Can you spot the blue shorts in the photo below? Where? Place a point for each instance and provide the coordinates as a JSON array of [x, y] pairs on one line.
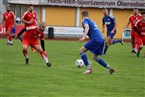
[[13, 30], [111, 35], [95, 46]]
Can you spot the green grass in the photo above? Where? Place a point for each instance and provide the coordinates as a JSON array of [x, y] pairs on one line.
[[63, 79]]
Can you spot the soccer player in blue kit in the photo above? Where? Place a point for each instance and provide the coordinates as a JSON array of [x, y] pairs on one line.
[[111, 25], [95, 45]]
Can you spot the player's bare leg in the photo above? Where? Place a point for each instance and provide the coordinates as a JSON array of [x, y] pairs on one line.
[[139, 49], [25, 52], [43, 54], [9, 37], [103, 63], [85, 60], [107, 43]]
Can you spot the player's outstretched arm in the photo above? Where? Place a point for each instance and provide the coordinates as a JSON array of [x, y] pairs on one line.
[[86, 30], [126, 26], [103, 28], [42, 44], [21, 32]]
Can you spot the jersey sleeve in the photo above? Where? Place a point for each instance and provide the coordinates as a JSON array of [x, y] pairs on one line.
[[42, 36], [113, 19], [36, 16], [13, 15], [84, 22], [23, 16]]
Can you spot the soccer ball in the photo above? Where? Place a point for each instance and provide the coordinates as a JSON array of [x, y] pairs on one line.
[[79, 63]]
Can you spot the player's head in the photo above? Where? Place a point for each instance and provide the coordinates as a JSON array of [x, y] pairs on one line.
[[31, 8], [8, 7], [105, 12], [135, 11], [85, 14], [42, 26], [143, 15]]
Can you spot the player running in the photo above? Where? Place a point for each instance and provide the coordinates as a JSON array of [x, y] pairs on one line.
[[133, 19], [9, 22], [30, 18], [95, 45], [110, 23], [30, 38], [140, 36]]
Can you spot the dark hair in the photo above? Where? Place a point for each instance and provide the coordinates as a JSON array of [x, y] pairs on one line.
[[85, 13], [105, 8], [135, 8], [30, 5]]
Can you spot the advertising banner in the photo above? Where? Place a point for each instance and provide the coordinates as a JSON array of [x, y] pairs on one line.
[[121, 4]]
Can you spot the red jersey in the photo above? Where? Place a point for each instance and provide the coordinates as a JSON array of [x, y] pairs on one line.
[[133, 19], [9, 18], [28, 16], [32, 35], [140, 26]]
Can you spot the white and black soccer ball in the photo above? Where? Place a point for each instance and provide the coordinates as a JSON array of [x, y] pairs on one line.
[[79, 63]]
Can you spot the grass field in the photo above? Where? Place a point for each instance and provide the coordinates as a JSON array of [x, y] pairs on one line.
[[64, 79]]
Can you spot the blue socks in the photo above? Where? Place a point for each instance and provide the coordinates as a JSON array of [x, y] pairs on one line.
[[84, 58], [102, 62], [116, 41], [105, 50]]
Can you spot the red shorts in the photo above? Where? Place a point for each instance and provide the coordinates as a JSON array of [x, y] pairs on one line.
[[9, 27], [30, 43], [140, 40]]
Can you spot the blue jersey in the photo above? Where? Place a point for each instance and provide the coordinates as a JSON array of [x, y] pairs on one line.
[[94, 31], [110, 22]]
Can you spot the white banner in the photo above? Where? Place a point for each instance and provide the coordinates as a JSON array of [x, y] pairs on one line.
[[66, 31]]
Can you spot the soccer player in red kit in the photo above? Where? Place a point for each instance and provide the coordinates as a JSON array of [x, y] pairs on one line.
[[33, 33], [9, 22], [133, 19], [30, 18], [140, 29]]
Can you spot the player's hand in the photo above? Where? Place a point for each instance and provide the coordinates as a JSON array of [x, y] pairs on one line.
[[82, 39], [103, 31], [143, 33], [124, 29], [16, 37], [112, 32], [30, 22]]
